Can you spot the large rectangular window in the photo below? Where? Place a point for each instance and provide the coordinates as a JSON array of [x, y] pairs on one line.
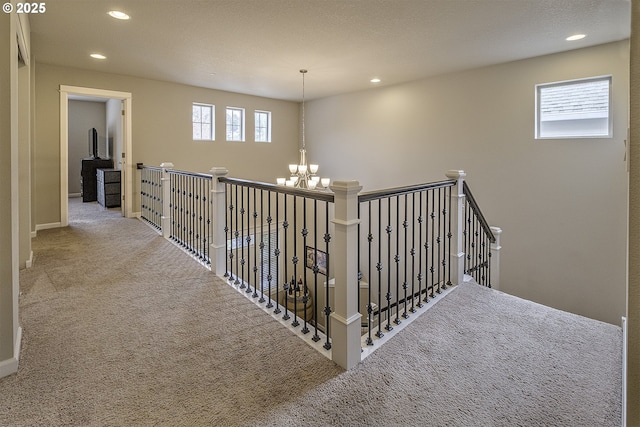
[[574, 109], [235, 124], [263, 126], [202, 117]]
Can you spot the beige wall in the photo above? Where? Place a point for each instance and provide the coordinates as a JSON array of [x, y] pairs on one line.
[[561, 203], [633, 302], [9, 196], [161, 131]]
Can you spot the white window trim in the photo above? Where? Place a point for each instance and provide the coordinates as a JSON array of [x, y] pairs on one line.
[[213, 121], [255, 114], [242, 127], [538, 87]]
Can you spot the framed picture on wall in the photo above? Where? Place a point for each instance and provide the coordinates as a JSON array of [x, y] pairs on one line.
[[321, 261]]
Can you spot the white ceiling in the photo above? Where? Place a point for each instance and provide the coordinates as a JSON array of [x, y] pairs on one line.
[[258, 46]]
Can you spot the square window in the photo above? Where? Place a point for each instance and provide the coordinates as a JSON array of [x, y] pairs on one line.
[[574, 109], [263, 126], [203, 124], [235, 124]]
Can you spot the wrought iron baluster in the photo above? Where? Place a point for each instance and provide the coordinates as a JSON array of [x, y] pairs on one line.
[[449, 236], [389, 231], [198, 219], [192, 230], [439, 239], [175, 219], [208, 222], [262, 245], [190, 213], [327, 239], [276, 253], [183, 217], [236, 235], [316, 269], [255, 248], [359, 264], [247, 275], [241, 242], [227, 224], [489, 263], [369, 340], [433, 247], [285, 226], [396, 258], [405, 285], [294, 260], [484, 258], [379, 333], [474, 251], [413, 254], [305, 296], [269, 219]]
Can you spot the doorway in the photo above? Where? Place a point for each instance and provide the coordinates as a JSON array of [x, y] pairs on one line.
[[121, 149]]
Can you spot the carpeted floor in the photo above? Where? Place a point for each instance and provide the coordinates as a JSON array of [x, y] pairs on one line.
[[123, 328]]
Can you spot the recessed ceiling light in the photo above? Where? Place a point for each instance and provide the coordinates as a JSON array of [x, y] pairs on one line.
[[118, 15], [376, 80], [575, 37], [97, 56]]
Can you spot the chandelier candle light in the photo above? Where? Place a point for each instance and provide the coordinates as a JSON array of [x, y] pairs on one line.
[[303, 175]]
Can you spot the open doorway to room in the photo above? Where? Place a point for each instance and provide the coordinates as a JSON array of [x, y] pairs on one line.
[[105, 143]]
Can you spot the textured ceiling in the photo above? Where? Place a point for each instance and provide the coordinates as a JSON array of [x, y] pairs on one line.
[[259, 46]]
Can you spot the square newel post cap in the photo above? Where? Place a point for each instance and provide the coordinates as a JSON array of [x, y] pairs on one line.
[[497, 231], [219, 171], [166, 165], [348, 187], [455, 174]]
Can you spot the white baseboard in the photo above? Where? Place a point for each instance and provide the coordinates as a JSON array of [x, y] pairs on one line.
[[625, 339], [72, 195], [34, 234], [10, 366], [48, 226], [29, 262]]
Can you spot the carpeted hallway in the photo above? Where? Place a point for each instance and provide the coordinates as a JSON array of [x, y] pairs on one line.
[[120, 327]]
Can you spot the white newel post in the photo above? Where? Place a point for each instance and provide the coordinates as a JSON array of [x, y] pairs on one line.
[[345, 319], [495, 258], [166, 199], [457, 219], [218, 237]]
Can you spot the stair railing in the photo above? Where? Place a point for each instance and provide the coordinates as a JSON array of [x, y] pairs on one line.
[[478, 238], [340, 263]]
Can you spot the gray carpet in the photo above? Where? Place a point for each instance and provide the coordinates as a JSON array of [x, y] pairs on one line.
[[122, 328]]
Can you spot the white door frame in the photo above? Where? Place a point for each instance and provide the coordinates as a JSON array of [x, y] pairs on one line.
[[65, 91]]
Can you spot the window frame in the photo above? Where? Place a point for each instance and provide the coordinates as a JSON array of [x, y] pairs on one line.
[[241, 125], [212, 124], [538, 102], [267, 128]]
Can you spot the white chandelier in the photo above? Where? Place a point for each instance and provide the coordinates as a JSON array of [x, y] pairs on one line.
[[303, 175]]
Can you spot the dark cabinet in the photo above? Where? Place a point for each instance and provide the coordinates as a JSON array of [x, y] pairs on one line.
[[108, 187], [88, 177]]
